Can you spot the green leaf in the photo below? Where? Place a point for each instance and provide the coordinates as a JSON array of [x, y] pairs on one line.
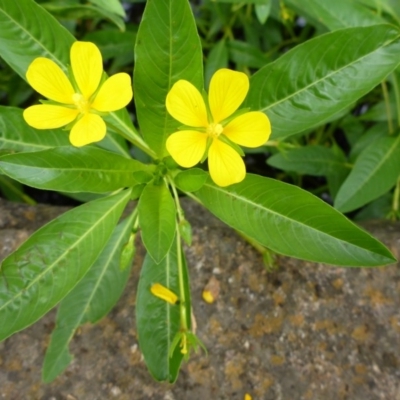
[[89, 301], [244, 54], [157, 220], [263, 10], [158, 321], [53, 260], [375, 172], [370, 136], [217, 58], [34, 29], [74, 170], [336, 14], [83, 11], [112, 6], [308, 160], [341, 67], [13, 190], [380, 208], [191, 179], [291, 221], [167, 49], [113, 43]]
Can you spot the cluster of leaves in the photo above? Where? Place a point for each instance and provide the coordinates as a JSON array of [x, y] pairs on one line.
[[314, 72]]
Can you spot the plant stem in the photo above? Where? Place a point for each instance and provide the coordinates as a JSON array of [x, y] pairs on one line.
[[387, 106]]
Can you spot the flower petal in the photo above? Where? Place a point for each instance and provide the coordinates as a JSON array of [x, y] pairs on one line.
[[187, 147], [227, 91], [47, 116], [163, 293], [87, 67], [47, 78], [185, 103], [89, 129], [115, 93], [225, 164], [251, 129]]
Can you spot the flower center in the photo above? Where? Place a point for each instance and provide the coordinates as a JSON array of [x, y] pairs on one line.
[[214, 130], [81, 103]]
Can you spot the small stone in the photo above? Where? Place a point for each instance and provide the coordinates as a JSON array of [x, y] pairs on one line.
[[115, 391]]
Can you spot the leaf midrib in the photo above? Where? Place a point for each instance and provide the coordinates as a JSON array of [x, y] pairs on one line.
[[85, 308], [377, 166], [305, 88], [66, 252], [293, 221], [28, 33]]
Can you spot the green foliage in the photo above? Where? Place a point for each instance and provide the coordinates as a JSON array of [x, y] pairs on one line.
[[90, 300], [270, 212], [69, 169], [158, 321], [53, 260], [327, 76], [167, 49]]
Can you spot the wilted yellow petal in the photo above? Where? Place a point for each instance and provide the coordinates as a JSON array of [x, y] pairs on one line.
[[89, 129], [46, 116], [187, 147], [163, 293], [87, 67], [185, 104], [47, 78], [251, 129], [227, 91], [225, 164], [114, 94], [208, 297]]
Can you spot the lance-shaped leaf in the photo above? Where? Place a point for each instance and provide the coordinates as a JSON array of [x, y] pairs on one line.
[[157, 219], [16, 135], [375, 172], [75, 170], [291, 221], [28, 31], [157, 320], [308, 160], [53, 260], [90, 300], [315, 80], [167, 49], [337, 14]]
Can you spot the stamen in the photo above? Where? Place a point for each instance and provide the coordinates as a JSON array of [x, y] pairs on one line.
[[214, 130], [80, 102]]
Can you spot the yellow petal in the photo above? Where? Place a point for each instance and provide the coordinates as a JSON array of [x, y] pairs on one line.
[[114, 94], [228, 89], [185, 103], [163, 293], [187, 147], [225, 164], [208, 297], [46, 116], [251, 129], [87, 67], [47, 78], [89, 129]]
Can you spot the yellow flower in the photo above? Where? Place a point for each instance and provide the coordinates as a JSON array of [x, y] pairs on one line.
[[210, 128], [82, 99], [163, 293]]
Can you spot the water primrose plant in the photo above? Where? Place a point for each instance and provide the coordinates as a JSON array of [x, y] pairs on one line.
[[83, 142]]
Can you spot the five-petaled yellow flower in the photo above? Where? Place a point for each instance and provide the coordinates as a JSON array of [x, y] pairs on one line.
[[81, 100], [211, 127]]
